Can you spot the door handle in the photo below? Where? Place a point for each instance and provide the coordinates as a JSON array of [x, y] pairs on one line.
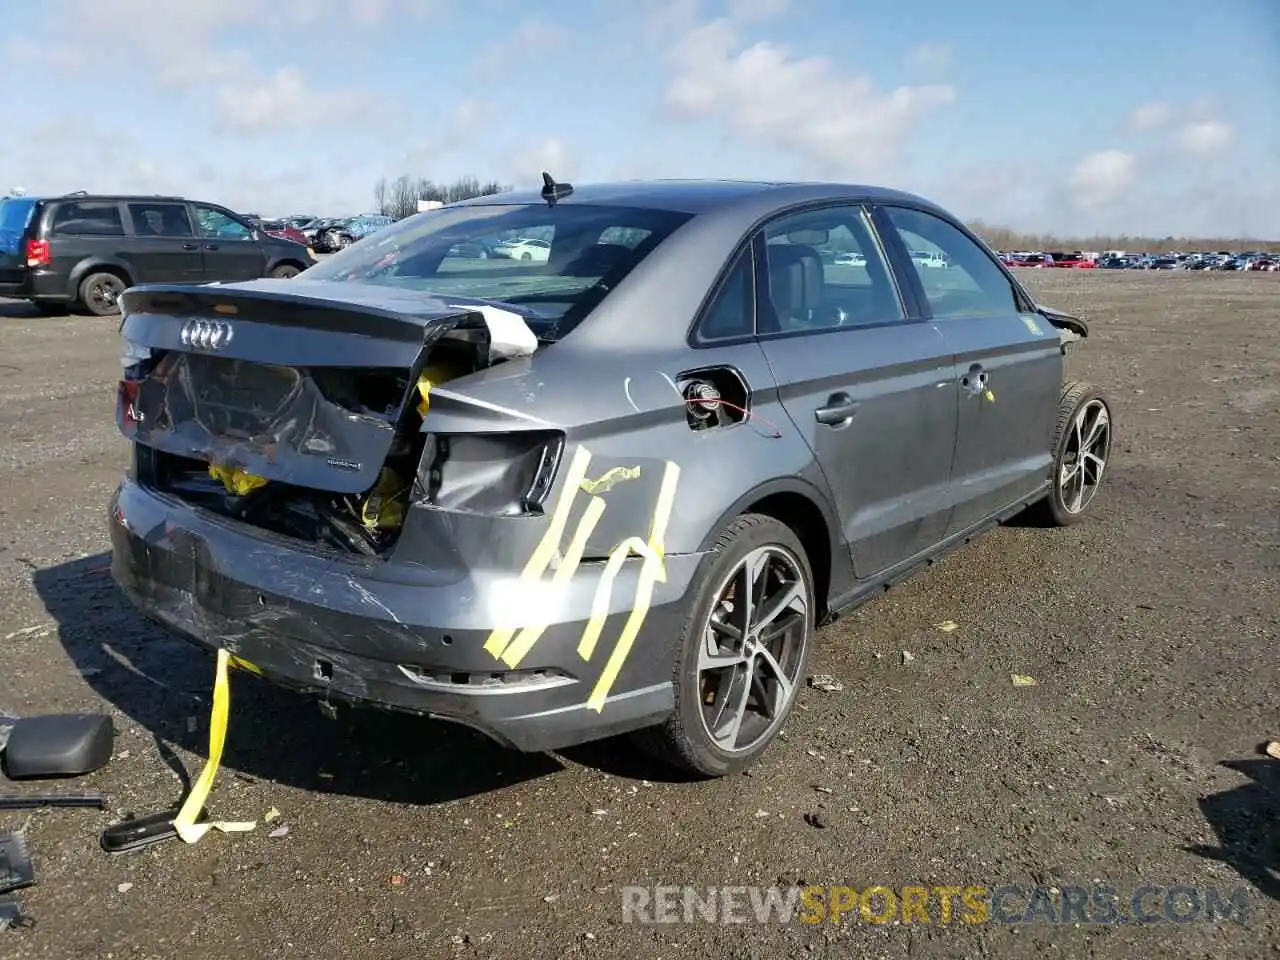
[[839, 410], [211, 246], [191, 246]]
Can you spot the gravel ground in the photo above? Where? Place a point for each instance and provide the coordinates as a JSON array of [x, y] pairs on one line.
[[1151, 630]]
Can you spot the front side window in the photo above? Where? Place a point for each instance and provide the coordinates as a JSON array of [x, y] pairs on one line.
[[958, 277], [825, 270], [217, 225], [88, 219], [553, 263], [160, 220]]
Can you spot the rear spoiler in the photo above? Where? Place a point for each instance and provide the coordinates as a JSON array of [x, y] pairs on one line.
[[350, 323]]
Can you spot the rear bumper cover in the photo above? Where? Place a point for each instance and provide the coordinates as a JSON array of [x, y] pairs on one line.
[[395, 636], [37, 285]]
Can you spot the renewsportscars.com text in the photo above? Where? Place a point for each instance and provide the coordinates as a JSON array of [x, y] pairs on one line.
[[969, 905]]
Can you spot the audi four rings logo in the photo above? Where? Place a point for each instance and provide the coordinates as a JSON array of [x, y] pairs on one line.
[[206, 334]]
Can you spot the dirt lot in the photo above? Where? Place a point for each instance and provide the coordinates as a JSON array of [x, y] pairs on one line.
[[1152, 632]]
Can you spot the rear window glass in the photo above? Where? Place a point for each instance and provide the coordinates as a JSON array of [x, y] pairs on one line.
[[88, 219], [14, 213], [554, 264]]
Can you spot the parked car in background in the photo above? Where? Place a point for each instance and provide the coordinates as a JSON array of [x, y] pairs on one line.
[[343, 233], [83, 250], [656, 466], [285, 231], [524, 249]]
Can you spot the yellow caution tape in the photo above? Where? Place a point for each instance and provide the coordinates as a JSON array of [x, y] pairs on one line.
[[610, 479], [651, 573], [532, 632], [540, 559], [237, 480], [185, 822]]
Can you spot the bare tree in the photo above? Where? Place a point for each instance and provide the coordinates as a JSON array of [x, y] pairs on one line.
[[403, 201], [400, 198]]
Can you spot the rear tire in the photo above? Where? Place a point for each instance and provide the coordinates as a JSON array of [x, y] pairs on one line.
[[100, 293], [717, 677], [286, 271], [1082, 443]]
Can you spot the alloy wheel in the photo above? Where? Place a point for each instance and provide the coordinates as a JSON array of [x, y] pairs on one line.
[[752, 649], [105, 293], [1085, 457]]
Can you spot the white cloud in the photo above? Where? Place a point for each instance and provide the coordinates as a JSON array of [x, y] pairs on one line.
[[524, 164], [1205, 138], [930, 56], [1150, 116], [532, 38], [836, 123], [1102, 178], [284, 100]]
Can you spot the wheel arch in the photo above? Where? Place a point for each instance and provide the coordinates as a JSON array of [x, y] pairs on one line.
[[97, 265], [806, 511]]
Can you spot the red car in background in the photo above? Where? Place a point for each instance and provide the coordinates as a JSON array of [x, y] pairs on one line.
[[285, 231], [1076, 261]]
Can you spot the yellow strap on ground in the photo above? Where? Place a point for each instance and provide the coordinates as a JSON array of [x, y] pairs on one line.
[[541, 556], [185, 822], [526, 638], [650, 573]]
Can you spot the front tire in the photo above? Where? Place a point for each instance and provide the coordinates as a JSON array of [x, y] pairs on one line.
[[739, 662], [1081, 453]]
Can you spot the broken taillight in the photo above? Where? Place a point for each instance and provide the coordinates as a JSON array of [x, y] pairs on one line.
[[498, 474], [128, 397], [38, 253]]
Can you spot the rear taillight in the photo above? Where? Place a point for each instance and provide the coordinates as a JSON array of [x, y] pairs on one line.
[[497, 474], [38, 253]]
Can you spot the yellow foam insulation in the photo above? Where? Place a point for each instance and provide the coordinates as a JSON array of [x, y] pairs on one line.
[[384, 508], [236, 479]]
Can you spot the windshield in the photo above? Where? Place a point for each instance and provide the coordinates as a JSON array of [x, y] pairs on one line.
[[555, 262], [14, 213]]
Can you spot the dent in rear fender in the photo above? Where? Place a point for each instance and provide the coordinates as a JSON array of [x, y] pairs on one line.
[[615, 508], [561, 550]]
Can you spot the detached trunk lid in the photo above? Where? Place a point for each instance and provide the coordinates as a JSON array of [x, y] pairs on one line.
[[292, 381]]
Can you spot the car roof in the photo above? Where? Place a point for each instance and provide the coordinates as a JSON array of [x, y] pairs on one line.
[[698, 196]]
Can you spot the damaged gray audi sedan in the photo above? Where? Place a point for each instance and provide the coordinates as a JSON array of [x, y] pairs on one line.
[[612, 488]]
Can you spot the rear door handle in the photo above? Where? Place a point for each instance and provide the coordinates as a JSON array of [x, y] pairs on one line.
[[191, 246], [839, 410], [211, 246]]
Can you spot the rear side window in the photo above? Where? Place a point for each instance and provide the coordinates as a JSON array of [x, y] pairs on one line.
[[958, 277], [87, 219], [732, 314], [160, 220]]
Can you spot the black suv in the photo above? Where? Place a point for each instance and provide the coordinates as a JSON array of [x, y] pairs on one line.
[[84, 250]]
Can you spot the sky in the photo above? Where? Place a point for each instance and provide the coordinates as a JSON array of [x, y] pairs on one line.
[[1153, 117]]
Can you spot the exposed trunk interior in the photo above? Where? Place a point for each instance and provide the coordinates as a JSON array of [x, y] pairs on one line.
[[322, 453]]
